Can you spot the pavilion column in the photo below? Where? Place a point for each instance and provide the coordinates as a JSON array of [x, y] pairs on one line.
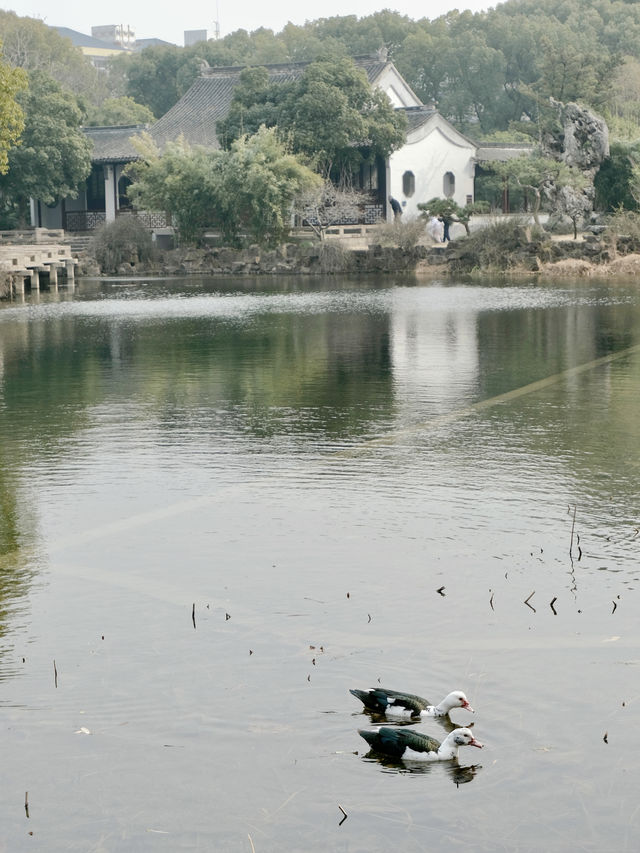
[[110, 192]]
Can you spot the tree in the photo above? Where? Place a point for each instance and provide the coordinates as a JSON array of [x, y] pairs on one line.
[[151, 77], [12, 82], [450, 211], [256, 102], [119, 111], [55, 155], [540, 175], [180, 181], [615, 184], [330, 115], [259, 182], [250, 187], [324, 205], [30, 44]]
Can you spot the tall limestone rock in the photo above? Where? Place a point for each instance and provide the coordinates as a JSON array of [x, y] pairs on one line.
[[583, 143]]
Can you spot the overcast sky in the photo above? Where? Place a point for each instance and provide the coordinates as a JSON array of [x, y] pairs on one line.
[[168, 21]]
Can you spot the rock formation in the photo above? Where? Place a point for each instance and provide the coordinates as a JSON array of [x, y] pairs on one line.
[[582, 143]]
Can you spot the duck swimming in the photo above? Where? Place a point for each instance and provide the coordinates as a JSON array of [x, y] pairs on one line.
[[406, 743], [393, 703]]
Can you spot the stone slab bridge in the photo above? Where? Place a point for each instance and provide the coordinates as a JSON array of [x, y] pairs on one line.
[[29, 260]]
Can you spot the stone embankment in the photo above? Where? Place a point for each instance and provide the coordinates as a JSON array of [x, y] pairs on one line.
[[289, 259], [590, 255]]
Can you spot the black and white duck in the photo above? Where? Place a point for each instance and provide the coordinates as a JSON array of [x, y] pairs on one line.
[[406, 743], [397, 704]]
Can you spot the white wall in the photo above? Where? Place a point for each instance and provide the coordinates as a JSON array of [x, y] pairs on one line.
[[396, 89], [430, 151]]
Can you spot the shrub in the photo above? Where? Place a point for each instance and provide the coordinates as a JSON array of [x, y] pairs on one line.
[[334, 258], [124, 241], [403, 235], [623, 231], [502, 245]]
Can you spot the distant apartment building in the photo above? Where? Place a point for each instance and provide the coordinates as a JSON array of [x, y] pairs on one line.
[[120, 35], [98, 52], [194, 36]]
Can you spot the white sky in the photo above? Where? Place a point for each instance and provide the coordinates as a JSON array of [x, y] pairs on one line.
[[168, 20]]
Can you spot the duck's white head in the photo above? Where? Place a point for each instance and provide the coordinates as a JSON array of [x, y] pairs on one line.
[[457, 699], [464, 737]]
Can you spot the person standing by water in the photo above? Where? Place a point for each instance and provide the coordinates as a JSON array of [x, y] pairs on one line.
[[395, 207], [446, 223], [435, 229]]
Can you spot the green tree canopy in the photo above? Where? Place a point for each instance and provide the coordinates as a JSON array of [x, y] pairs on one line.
[[30, 44], [249, 188], [119, 111], [12, 82], [539, 175], [55, 155], [330, 115], [151, 77]]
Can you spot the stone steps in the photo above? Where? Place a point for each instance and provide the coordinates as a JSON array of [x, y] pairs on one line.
[[79, 243]]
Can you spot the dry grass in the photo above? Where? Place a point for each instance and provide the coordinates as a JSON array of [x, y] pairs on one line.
[[573, 267]]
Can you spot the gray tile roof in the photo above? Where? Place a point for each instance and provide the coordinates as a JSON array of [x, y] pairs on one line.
[[417, 116], [501, 151], [209, 99], [113, 144]]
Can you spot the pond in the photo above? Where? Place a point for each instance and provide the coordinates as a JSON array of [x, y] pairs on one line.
[[224, 503]]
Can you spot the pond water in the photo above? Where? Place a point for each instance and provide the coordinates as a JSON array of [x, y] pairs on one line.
[[226, 502]]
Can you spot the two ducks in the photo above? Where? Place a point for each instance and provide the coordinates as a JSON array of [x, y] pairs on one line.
[[408, 744]]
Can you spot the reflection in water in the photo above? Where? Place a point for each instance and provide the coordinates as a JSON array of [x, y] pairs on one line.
[[458, 774], [383, 473]]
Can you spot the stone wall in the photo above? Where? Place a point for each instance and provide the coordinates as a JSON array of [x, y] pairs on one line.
[[290, 259]]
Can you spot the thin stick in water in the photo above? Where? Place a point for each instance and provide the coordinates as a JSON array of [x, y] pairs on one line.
[[344, 813], [573, 527], [193, 614], [55, 673], [26, 803]]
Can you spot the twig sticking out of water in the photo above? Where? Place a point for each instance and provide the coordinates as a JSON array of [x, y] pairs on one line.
[[614, 607], [440, 591], [253, 849], [491, 599], [526, 601], [344, 813], [26, 803], [606, 737], [369, 619], [552, 602], [55, 673], [193, 615], [573, 527]]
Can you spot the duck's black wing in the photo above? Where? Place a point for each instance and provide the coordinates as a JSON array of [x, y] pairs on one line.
[[394, 741], [379, 700]]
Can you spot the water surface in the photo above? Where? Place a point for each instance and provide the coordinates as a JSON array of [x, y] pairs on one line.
[[226, 502]]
